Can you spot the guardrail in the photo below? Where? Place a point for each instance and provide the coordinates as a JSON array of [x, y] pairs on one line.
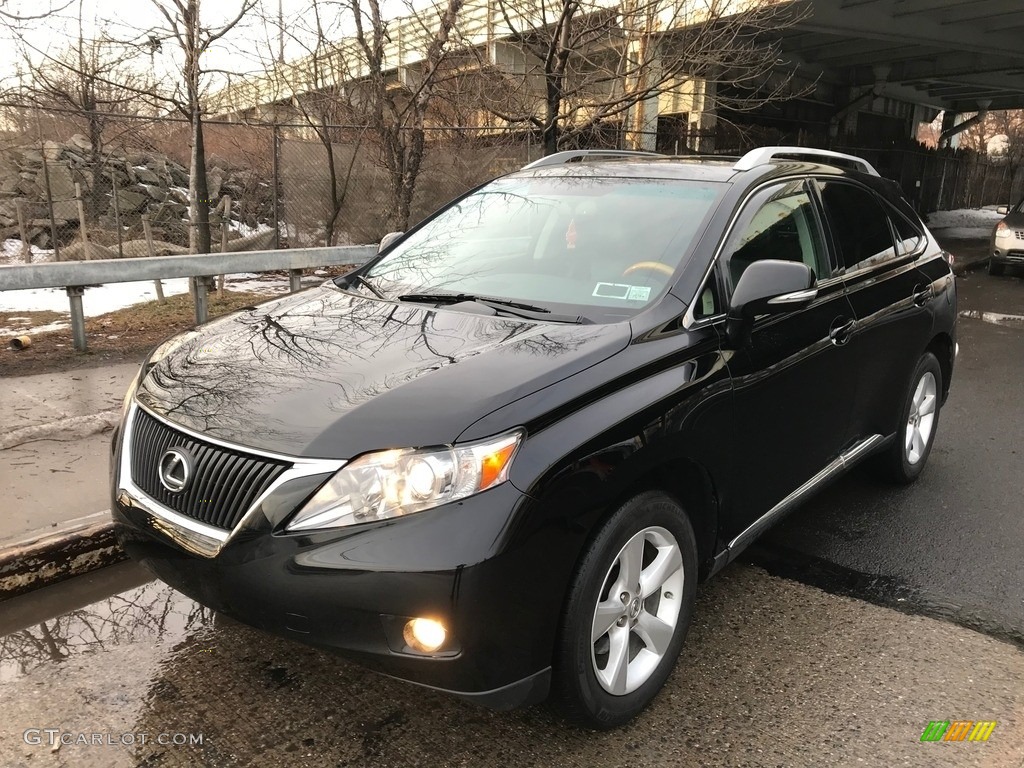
[[76, 276]]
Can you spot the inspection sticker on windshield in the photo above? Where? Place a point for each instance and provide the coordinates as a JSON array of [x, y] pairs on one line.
[[622, 291]]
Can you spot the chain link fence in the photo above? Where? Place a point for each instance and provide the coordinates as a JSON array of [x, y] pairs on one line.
[[105, 186]]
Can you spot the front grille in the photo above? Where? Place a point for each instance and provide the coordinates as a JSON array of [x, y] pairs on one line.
[[223, 485], [1019, 233]]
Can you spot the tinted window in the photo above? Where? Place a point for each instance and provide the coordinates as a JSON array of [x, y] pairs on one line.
[[908, 235], [859, 224], [778, 223], [571, 240]]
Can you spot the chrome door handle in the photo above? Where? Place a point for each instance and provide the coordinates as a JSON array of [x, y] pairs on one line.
[[841, 334], [923, 297]]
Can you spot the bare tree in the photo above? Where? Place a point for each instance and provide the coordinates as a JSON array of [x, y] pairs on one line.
[[314, 88], [589, 64], [92, 83], [1000, 136], [9, 17], [185, 29], [397, 116]]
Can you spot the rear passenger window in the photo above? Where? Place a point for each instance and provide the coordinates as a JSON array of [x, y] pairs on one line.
[[859, 224]]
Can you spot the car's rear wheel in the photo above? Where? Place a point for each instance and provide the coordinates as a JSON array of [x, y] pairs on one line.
[[627, 613], [906, 457], [995, 269]]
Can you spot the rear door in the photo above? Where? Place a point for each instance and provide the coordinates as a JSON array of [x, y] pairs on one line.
[[877, 254]]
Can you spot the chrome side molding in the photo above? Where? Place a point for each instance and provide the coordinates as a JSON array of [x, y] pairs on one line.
[[796, 297], [837, 467]]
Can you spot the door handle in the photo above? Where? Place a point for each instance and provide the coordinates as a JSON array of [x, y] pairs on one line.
[[923, 297], [840, 334]]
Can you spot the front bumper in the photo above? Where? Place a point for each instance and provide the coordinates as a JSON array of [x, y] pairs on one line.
[[1008, 254], [351, 590]]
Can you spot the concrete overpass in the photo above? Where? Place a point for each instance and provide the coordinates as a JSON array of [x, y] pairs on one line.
[[954, 55], [879, 67]]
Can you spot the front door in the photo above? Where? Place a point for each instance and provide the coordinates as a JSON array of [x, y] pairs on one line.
[[794, 382]]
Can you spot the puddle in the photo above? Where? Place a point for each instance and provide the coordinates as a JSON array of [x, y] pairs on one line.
[[997, 318], [151, 616]]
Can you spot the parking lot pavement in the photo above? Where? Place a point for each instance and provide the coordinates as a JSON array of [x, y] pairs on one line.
[[950, 544], [774, 673]]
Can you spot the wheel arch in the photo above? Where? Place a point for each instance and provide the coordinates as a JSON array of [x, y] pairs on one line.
[[688, 483], [942, 346]]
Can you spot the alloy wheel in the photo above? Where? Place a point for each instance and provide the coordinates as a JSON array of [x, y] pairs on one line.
[[921, 421], [637, 611]]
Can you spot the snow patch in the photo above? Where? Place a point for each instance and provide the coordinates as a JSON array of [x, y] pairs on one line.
[[10, 253], [964, 223]]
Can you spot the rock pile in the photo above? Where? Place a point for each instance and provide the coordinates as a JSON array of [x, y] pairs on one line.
[[127, 185]]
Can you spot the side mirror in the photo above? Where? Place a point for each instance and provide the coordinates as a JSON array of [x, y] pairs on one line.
[[388, 239], [1002, 210], [767, 287]]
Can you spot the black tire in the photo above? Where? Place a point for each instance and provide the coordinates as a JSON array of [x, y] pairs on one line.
[[896, 463], [583, 699], [994, 269]]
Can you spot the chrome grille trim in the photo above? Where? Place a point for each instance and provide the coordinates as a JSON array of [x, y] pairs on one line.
[[226, 481], [193, 535]]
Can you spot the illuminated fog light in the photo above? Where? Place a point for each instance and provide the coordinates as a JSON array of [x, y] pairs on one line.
[[424, 635]]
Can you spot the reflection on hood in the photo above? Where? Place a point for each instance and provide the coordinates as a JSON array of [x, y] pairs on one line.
[[279, 376]]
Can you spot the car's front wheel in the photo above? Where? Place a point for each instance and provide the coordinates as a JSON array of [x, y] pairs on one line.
[[994, 269], [915, 434], [628, 611]]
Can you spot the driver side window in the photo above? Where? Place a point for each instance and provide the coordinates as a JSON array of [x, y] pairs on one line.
[[777, 223]]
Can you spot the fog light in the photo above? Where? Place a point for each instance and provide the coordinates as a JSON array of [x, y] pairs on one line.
[[424, 635]]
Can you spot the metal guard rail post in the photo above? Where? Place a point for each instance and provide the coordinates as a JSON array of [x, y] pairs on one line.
[[76, 276]]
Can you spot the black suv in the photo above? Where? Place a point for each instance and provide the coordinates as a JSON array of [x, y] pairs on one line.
[[497, 459]]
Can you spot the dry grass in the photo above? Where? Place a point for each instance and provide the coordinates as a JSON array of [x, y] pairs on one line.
[[30, 319]]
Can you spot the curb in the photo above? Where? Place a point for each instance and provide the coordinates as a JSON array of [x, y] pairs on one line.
[[46, 559]]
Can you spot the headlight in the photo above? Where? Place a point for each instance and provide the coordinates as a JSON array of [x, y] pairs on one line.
[[1003, 231], [385, 484]]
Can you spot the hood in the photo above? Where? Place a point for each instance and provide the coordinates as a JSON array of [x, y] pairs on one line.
[[329, 374]]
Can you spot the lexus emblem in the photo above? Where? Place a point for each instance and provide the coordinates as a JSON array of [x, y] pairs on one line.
[[175, 469]]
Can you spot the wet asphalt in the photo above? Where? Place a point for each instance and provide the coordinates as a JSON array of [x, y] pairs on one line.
[[776, 671], [952, 544]]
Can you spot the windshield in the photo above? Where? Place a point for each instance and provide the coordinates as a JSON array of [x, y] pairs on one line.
[[562, 243]]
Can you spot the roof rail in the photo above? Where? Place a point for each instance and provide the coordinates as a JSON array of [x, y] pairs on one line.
[[762, 155], [559, 158]]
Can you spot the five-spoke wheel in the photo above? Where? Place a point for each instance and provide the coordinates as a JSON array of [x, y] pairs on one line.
[[636, 615], [906, 457], [628, 611]]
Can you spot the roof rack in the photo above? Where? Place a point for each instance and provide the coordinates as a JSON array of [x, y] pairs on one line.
[[559, 158], [762, 155]]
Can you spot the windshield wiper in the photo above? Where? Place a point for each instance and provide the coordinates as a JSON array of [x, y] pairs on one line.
[[514, 308], [455, 298]]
